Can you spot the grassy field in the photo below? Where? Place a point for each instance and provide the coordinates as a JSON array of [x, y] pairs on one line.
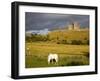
[[69, 55], [69, 35]]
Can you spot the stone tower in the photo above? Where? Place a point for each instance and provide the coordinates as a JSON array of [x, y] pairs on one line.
[[74, 26], [71, 26]]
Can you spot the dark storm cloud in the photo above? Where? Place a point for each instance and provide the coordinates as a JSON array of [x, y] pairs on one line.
[[38, 21]]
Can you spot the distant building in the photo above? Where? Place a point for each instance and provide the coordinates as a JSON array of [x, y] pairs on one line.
[[70, 27], [74, 26]]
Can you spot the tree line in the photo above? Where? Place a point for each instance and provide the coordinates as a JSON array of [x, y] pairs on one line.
[[57, 40]]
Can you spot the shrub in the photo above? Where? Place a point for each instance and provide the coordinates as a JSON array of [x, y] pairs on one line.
[[75, 63], [86, 54], [76, 42]]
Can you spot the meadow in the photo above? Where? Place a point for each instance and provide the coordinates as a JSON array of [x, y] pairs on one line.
[[69, 55]]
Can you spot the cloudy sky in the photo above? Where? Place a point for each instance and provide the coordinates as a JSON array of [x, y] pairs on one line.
[[50, 21]]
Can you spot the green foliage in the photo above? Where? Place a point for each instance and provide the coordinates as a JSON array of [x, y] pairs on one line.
[[70, 37], [72, 48], [69, 55], [75, 63], [66, 60], [86, 54], [62, 37], [28, 38], [76, 42], [37, 37]]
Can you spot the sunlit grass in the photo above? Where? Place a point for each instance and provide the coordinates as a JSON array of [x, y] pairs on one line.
[[69, 55]]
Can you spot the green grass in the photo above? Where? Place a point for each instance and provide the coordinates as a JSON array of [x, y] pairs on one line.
[[69, 55], [69, 35]]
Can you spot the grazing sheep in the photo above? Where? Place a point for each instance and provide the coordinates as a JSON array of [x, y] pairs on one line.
[[52, 58]]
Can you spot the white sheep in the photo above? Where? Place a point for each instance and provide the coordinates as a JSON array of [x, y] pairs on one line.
[[52, 58]]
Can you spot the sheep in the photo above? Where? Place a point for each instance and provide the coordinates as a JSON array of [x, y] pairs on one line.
[[52, 58]]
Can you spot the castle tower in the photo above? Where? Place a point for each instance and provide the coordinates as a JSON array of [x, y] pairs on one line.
[[76, 26], [71, 26]]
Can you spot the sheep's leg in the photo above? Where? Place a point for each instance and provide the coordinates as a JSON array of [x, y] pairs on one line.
[[56, 62], [48, 61]]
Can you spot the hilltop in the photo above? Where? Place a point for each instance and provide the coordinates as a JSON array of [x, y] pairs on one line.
[[68, 36]]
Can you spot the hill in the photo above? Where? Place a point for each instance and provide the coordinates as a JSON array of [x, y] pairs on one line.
[[68, 36]]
